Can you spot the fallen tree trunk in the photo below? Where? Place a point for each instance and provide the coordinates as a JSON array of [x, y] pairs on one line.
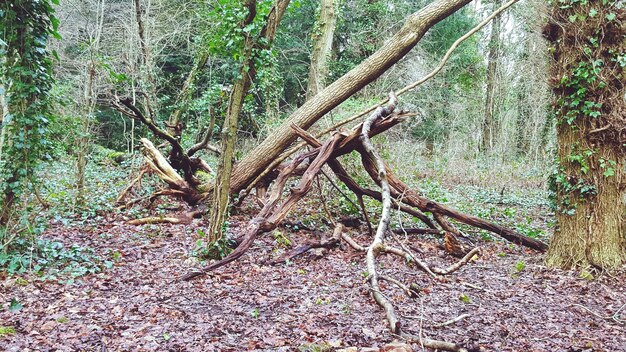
[[397, 47], [339, 144], [412, 198]]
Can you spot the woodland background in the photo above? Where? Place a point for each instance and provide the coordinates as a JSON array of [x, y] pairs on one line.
[[95, 238]]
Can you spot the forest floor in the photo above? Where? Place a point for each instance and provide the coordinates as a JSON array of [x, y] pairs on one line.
[[317, 302]]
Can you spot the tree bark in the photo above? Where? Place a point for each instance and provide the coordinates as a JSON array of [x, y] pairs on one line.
[[146, 57], [593, 234], [492, 71], [322, 45], [229, 133], [88, 105], [591, 134], [4, 110], [82, 142], [398, 46]]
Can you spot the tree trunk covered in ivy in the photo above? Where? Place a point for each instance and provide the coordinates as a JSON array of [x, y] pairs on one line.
[[26, 77], [229, 130], [588, 78], [322, 46], [252, 46], [3, 113]]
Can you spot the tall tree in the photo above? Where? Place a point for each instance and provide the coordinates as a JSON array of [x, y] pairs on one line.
[[588, 79], [492, 72], [88, 101], [26, 77], [322, 47]]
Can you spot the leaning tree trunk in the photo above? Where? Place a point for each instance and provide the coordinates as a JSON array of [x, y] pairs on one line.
[[322, 46], [229, 132], [588, 79], [397, 47]]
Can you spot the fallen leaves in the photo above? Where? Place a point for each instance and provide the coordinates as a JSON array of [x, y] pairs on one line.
[[135, 305]]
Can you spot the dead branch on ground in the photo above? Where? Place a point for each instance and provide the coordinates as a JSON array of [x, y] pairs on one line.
[[392, 191], [185, 218], [324, 243]]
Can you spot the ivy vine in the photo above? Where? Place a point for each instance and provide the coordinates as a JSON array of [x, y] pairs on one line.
[[588, 43], [26, 73]]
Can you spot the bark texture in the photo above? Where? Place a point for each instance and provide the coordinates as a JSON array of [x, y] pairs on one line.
[[492, 72], [322, 47], [593, 235], [589, 84], [221, 194]]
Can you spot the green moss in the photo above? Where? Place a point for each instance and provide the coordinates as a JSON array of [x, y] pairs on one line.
[[6, 331], [115, 155], [204, 177], [585, 274]]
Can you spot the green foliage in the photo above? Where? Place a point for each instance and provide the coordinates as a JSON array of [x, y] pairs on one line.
[[105, 179], [520, 266], [608, 167], [586, 275], [217, 250], [321, 301], [359, 32], [526, 229], [50, 260], [574, 189], [226, 37], [223, 39], [462, 75], [465, 298], [281, 239], [579, 104], [6, 331], [585, 88], [15, 305], [465, 66], [26, 69], [316, 347]]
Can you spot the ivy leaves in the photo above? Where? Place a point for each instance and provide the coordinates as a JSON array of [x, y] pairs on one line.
[[27, 76], [226, 37]]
